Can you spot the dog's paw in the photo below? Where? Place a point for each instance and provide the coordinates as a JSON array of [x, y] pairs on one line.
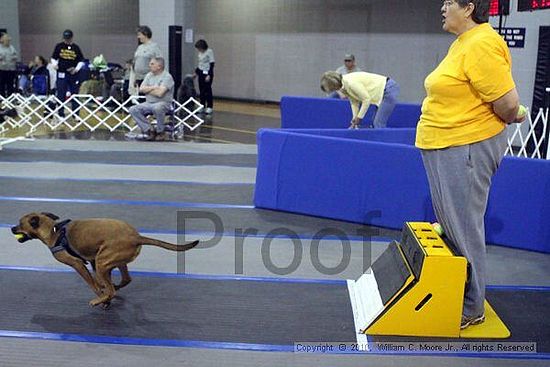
[[99, 301]]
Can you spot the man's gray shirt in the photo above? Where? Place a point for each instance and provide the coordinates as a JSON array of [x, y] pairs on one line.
[[164, 79]]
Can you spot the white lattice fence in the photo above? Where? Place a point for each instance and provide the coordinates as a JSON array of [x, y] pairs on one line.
[[91, 113], [527, 136]]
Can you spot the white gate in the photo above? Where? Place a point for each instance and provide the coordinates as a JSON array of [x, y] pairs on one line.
[[90, 113], [526, 136]]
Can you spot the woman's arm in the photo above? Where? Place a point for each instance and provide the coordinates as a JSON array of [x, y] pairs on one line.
[[507, 106]]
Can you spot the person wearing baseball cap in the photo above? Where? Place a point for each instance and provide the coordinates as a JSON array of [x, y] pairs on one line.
[[67, 34], [67, 59], [349, 65]]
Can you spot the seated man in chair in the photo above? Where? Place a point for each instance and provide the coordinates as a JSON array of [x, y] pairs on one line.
[[158, 88]]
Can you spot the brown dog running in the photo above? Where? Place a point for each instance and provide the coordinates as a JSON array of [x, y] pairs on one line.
[[105, 243]]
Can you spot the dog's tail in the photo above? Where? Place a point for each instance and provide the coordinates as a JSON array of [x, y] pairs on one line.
[[168, 245]]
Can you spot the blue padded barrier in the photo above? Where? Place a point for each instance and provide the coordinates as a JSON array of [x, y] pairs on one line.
[[356, 176], [333, 113], [518, 213], [348, 179]]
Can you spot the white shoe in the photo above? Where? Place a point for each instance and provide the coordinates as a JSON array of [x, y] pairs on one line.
[[208, 111]]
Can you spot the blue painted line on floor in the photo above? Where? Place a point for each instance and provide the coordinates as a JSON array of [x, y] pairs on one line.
[[145, 182], [536, 288], [145, 341], [353, 238], [137, 164], [242, 346], [247, 346], [341, 282], [127, 202], [481, 355], [189, 276]]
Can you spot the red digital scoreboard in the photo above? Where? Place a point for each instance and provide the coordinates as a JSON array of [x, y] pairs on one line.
[[528, 5], [499, 7], [493, 7]]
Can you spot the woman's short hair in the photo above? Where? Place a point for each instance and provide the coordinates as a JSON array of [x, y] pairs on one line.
[[201, 45], [331, 81], [42, 60], [146, 31], [481, 9]]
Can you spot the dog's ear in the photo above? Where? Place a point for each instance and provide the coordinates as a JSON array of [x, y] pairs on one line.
[[50, 215], [34, 221]]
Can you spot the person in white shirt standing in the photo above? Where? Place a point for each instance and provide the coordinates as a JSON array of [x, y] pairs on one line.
[[205, 73], [146, 50], [8, 59]]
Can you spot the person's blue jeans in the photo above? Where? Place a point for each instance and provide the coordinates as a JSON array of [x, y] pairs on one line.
[[67, 83], [391, 92]]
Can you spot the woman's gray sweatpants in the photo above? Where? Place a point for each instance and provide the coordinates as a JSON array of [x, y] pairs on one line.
[[460, 178]]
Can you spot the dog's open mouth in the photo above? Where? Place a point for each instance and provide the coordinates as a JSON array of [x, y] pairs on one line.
[[21, 237]]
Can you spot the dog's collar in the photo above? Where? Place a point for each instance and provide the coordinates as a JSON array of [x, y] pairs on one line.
[[61, 225], [62, 243]]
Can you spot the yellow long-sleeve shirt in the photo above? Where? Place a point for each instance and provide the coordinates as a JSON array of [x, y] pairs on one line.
[[362, 89]]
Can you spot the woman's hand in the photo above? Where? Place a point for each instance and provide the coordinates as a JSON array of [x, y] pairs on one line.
[[207, 79], [355, 122]]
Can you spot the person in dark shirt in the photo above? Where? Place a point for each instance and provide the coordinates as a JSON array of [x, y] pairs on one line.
[[68, 59]]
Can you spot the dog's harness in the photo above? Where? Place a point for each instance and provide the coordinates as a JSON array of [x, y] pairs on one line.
[[62, 243]]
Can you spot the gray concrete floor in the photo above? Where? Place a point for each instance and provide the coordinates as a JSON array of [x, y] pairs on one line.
[[506, 266]]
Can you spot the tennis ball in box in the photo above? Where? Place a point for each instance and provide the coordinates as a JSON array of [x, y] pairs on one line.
[[522, 111], [437, 228]]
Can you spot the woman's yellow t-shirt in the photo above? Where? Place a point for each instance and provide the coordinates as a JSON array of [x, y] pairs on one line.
[[457, 109]]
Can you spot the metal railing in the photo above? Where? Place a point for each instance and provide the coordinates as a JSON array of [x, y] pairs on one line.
[[89, 113], [528, 141]]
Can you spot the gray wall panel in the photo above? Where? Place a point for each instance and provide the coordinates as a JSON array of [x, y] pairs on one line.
[[282, 46], [268, 48]]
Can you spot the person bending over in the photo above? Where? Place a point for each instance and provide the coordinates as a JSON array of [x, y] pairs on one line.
[[363, 89]]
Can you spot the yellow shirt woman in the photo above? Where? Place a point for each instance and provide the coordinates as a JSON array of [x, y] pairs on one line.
[[458, 109]]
